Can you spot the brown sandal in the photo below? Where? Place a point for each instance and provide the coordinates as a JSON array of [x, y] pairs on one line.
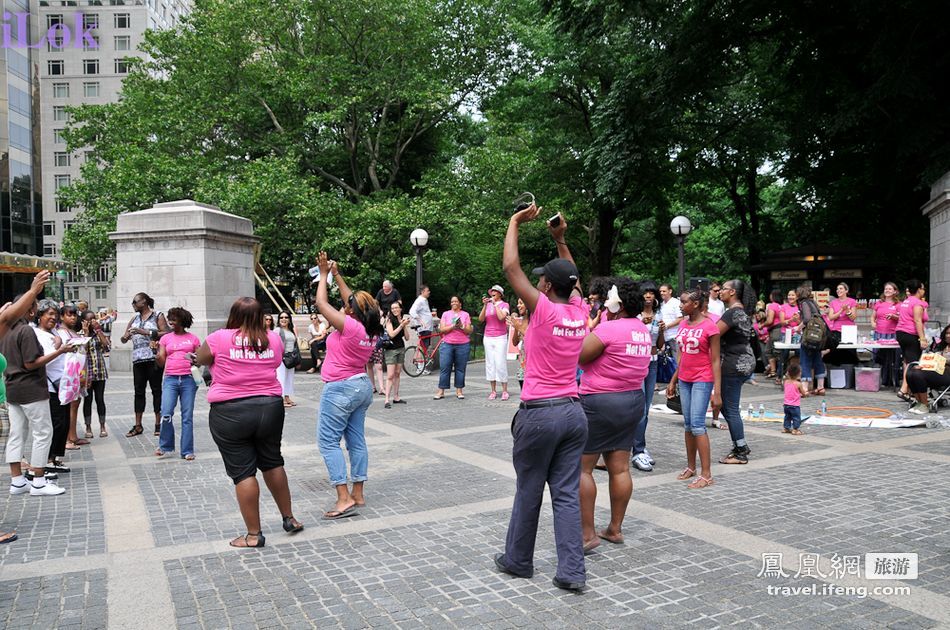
[[701, 482]]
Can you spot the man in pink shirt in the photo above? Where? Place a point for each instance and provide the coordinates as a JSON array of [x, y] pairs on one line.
[[550, 428]]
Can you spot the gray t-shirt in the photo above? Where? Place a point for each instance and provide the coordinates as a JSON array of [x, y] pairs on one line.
[[737, 357]]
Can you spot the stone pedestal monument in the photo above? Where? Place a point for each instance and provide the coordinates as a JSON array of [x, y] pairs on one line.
[[938, 211], [184, 254]]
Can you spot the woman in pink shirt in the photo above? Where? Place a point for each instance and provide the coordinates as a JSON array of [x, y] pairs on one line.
[[773, 327], [247, 413], [495, 339], [700, 382], [615, 358], [455, 326], [912, 313], [842, 311], [884, 316], [175, 353], [347, 392]]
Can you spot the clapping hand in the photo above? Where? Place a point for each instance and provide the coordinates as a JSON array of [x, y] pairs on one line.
[[324, 264]]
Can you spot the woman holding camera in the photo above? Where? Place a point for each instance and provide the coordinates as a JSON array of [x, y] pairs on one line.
[[455, 326], [98, 373], [396, 324], [144, 330]]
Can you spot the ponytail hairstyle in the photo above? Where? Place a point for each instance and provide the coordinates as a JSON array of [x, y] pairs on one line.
[[366, 311], [744, 294], [631, 297], [913, 285], [777, 296]]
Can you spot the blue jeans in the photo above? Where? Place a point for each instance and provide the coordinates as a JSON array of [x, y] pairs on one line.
[[695, 399], [640, 435], [731, 393], [453, 354], [793, 417], [177, 389], [812, 365], [342, 414]]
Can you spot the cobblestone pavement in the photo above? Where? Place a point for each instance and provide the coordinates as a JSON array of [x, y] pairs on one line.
[[141, 542]]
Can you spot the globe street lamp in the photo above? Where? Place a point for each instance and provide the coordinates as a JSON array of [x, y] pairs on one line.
[[680, 227], [419, 238]]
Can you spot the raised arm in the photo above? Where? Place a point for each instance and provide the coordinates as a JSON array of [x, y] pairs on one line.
[[10, 313], [336, 318], [558, 233], [511, 258]]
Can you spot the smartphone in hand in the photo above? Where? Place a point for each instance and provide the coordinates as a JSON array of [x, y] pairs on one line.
[[555, 220]]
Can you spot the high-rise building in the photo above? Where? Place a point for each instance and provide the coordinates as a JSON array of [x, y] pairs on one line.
[[21, 205], [85, 70]]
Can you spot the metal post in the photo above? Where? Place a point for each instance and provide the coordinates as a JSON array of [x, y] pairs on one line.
[[680, 239], [418, 270]]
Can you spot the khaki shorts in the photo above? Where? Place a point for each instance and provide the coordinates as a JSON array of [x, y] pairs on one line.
[[394, 356]]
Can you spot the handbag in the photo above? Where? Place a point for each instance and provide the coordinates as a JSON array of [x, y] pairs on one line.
[[674, 403], [666, 365], [292, 359], [384, 342]]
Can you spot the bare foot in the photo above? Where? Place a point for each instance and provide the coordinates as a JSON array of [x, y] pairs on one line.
[[610, 537], [591, 544]]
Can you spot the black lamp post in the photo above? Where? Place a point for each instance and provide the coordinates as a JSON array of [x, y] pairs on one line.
[[680, 227], [419, 239]]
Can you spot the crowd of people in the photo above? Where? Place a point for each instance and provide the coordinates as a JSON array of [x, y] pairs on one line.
[[588, 368]]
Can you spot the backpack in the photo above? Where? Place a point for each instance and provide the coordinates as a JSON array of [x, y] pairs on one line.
[[815, 333]]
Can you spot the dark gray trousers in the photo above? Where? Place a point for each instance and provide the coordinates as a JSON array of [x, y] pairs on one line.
[[548, 444]]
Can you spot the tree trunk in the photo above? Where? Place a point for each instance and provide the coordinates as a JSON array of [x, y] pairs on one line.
[[604, 235]]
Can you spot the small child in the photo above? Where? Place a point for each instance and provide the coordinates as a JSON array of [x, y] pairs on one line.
[[794, 390]]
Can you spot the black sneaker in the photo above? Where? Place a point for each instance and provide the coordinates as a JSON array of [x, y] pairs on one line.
[[577, 587], [500, 564], [56, 466], [50, 476]]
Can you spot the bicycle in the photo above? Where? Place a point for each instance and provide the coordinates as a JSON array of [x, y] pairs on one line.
[[419, 359]]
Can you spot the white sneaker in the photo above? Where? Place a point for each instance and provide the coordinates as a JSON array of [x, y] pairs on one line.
[[919, 409], [649, 457], [20, 489], [640, 462], [50, 489]]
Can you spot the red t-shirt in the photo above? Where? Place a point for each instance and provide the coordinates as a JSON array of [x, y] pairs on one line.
[[694, 342]]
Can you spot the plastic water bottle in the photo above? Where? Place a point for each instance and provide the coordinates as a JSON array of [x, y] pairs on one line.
[[761, 410], [751, 411], [824, 407], [935, 421]]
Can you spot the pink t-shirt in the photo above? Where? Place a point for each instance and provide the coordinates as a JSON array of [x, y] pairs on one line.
[[882, 324], [838, 305], [625, 361], [176, 349], [789, 310], [761, 332], [906, 312], [793, 395], [713, 316], [556, 333], [493, 326], [348, 351], [238, 371], [455, 336], [695, 360], [776, 319]]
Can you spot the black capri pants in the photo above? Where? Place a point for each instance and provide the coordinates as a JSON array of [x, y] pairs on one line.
[[910, 346], [248, 433], [147, 373], [919, 381]]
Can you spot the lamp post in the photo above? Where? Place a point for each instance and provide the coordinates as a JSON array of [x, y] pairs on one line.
[[680, 227], [419, 238], [61, 276]]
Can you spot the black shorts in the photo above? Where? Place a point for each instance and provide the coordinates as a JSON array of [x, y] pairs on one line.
[[248, 432], [910, 346]]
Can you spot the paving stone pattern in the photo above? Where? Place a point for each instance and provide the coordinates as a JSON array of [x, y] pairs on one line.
[[419, 555]]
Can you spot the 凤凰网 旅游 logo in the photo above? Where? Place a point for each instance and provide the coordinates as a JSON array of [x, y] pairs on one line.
[[59, 35]]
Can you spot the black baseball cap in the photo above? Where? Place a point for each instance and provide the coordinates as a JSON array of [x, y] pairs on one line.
[[560, 272]]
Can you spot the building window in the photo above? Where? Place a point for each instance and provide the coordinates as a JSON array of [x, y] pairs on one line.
[[59, 113], [90, 20], [58, 136], [60, 90], [102, 293], [72, 294], [49, 228], [60, 181], [94, 45], [67, 225], [90, 66], [121, 20], [49, 249], [90, 89], [103, 273], [123, 42], [121, 66], [61, 158], [62, 207], [56, 67], [53, 19]]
